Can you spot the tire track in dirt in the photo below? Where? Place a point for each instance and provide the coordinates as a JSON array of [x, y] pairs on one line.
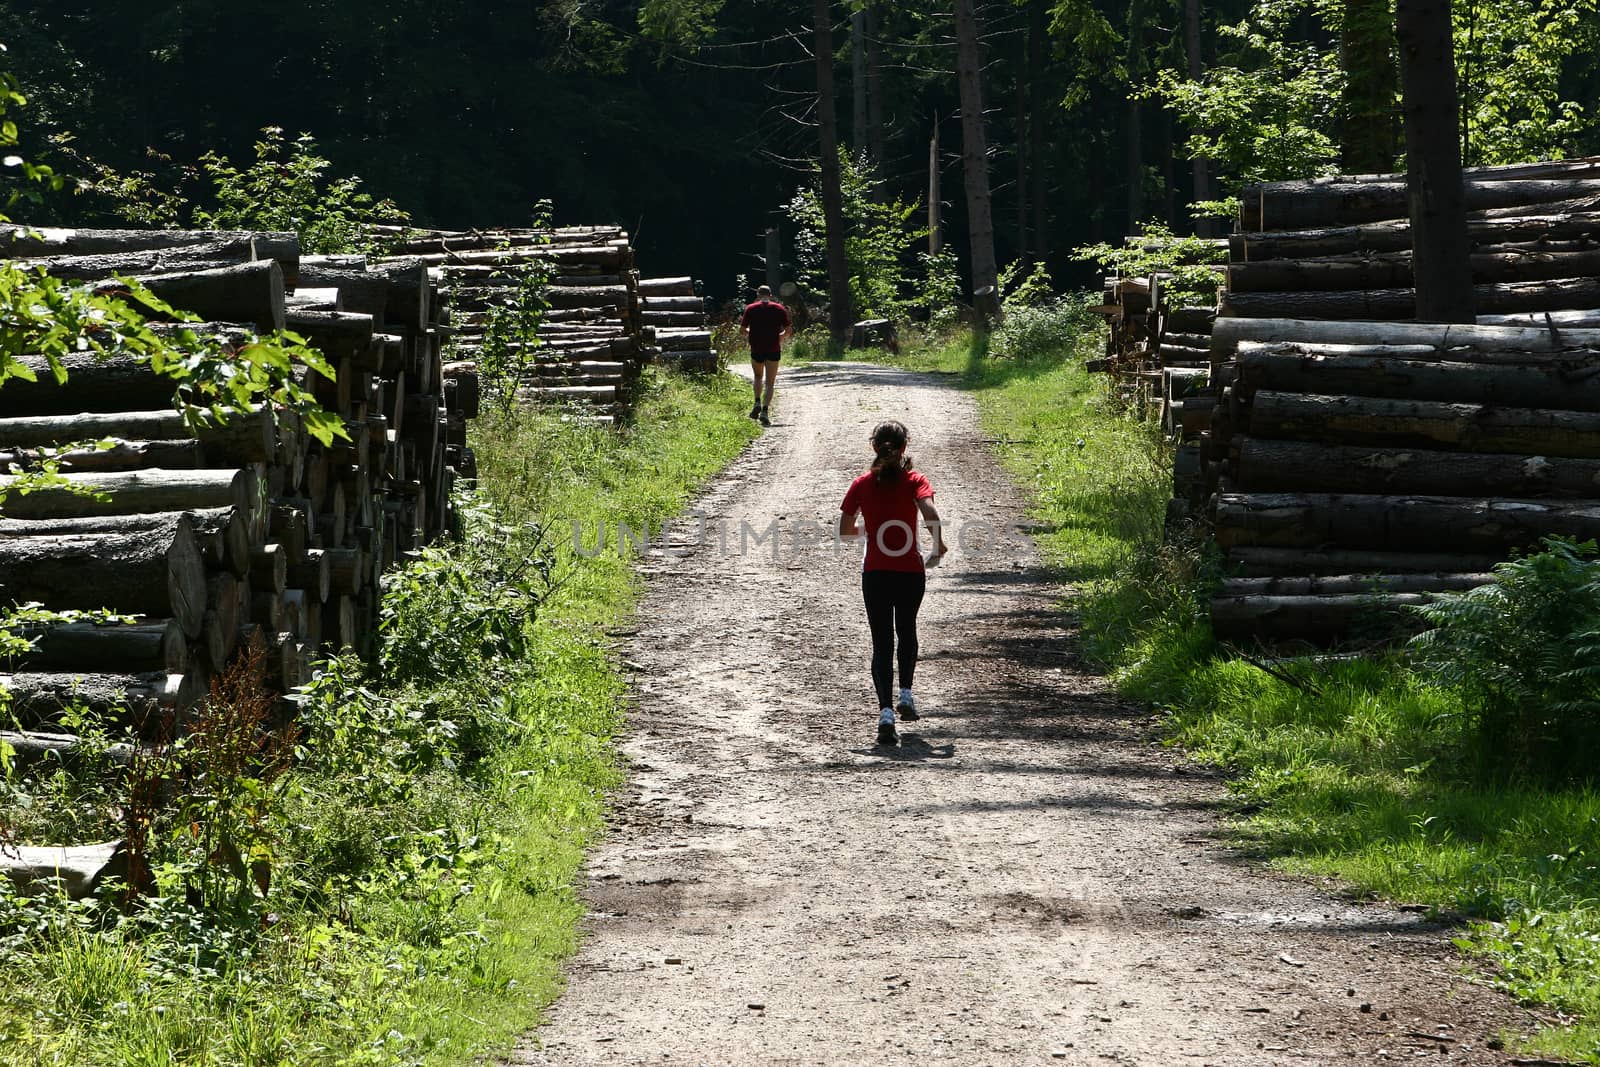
[[1029, 879]]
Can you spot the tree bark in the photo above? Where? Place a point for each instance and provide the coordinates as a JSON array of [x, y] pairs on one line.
[[1276, 562], [1387, 305], [1395, 236], [39, 698], [1266, 466], [1535, 382], [128, 649], [155, 570], [138, 492], [1200, 168], [858, 81], [935, 205], [249, 293], [1228, 332], [875, 130], [1350, 203], [1424, 424], [1039, 171], [975, 163], [1434, 193], [840, 313], [1408, 523], [1394, 269], [1318, 619]]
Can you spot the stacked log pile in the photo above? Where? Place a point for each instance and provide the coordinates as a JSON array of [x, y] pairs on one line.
[[1157, 349], [252, 528], [1340, 248], [1359, 467], [678, 317], [1351, 466], [592, 338]]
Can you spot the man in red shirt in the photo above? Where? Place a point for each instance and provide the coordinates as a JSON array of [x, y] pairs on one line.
[[766, 324]]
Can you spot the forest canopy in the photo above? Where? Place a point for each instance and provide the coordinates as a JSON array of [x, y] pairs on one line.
[[691, 122]]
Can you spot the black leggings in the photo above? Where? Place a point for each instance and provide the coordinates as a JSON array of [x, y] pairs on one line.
[[893, 598]]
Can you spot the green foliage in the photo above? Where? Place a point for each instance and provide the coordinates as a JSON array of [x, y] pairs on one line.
[[680, 22], [1510, 57], [1522, 651], [511, 332], [1266, 109], [466, 602], [422, 850], [293, 192], [1041, 327], [941, 289], [880, 233], [1157, 250]]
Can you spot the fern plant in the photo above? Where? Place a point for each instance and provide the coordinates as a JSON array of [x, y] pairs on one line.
[[1522, 652]]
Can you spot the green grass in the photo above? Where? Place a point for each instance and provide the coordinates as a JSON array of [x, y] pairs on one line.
[[1360, 771], [425, 904]]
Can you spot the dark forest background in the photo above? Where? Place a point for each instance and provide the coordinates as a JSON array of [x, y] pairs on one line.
[[690, 123]]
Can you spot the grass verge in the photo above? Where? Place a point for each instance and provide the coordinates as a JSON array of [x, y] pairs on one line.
[[423, 850], [1363, 771]]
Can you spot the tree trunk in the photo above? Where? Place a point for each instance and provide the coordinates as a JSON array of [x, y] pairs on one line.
[[1438, 209], [840, 314], [137, 492], [1039, 171], [1275, 562], [1201, 168], [935, 205], [1473, 526], [249, 293], [1228, 332], [875, 131], [127, 699], [1387, 305], [1538, 383], [155, 571], [975, 163], [858, 81], [19, 241], [75, 870], [140, 648], [1424, 424], [1317, 619], [1394, 269], [65, 750], [1350, 203], [1366, 47], [1296, 466]]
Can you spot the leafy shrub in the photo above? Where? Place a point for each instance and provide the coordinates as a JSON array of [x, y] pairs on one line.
[[293, 192], [465, 605], [1524, 654], [879, 235], [1030, 330]]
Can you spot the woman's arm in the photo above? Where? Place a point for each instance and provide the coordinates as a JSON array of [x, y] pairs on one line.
[[847, 524], [930, 519]]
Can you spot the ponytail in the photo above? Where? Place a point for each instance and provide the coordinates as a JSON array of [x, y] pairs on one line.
[[889, 442]]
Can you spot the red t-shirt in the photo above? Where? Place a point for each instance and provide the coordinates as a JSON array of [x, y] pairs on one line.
[[889, 513], [766, 320]]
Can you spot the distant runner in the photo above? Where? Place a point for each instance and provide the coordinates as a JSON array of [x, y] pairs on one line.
[[893, 577], [766, 323]]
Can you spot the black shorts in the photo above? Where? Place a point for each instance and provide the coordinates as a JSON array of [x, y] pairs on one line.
[[765, 357]]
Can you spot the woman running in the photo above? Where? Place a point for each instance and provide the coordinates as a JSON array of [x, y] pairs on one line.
[[888, 497]]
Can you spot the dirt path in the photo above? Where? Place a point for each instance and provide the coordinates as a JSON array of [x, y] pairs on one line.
[[1027, 880]]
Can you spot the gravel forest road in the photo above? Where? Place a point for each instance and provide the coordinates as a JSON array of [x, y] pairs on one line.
[[1028, 879]]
